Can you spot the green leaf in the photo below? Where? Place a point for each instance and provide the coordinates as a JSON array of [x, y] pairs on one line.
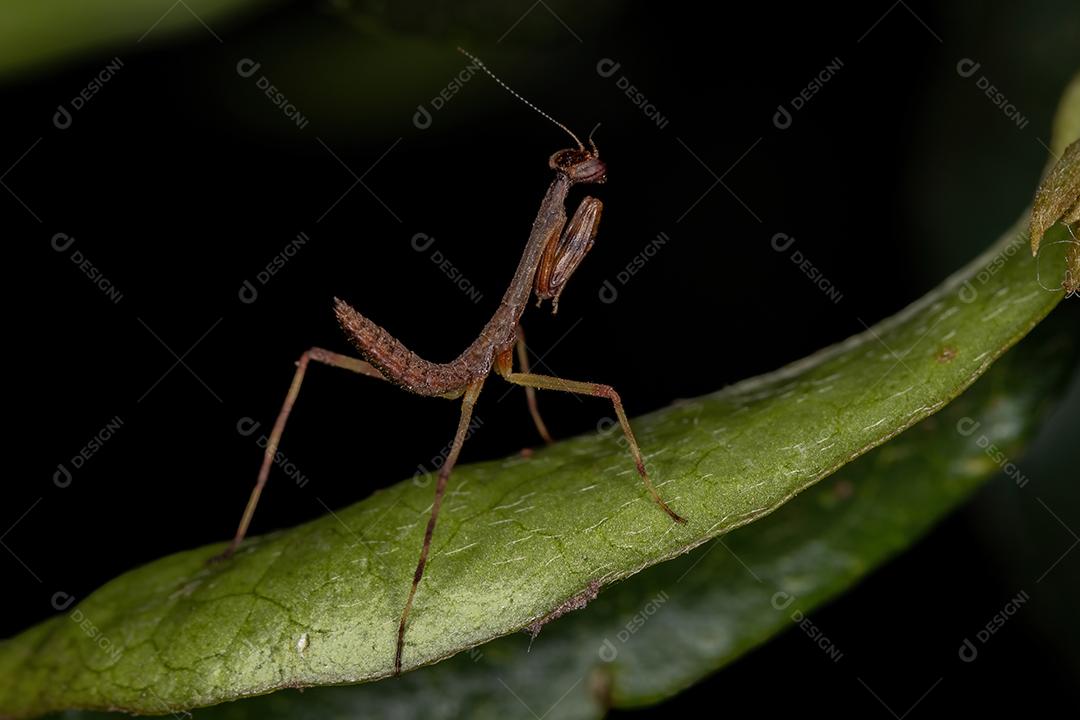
[[663, 629], [511, 546], [319, 604]]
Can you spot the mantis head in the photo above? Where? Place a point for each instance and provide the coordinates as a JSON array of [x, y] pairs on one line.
[[580, 165]]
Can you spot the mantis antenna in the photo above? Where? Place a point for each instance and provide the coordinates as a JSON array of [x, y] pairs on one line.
[[513, 92], [593, 142]]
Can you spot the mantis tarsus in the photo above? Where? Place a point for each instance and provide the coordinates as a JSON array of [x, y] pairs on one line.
[[552, 254]]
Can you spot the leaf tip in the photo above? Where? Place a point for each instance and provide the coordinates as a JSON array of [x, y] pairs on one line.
[[1058, 196]]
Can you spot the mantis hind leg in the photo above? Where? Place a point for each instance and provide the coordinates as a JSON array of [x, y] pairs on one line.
[[318, 355], [547, 382], [467, 403]]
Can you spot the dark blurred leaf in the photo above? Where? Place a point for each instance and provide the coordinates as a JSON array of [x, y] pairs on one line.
[[35, 33]]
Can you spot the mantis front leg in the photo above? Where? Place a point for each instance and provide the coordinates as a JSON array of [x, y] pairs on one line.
[[564, 253]]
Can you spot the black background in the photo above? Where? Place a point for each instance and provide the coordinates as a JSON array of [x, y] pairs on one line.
[[179, 181]]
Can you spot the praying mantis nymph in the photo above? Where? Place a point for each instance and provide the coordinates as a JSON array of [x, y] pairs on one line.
[[554, 251]]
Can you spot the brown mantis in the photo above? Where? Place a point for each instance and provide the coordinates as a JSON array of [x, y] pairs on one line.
[[554, 250]]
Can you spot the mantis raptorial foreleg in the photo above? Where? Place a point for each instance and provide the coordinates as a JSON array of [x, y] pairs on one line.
[[564, 253]]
